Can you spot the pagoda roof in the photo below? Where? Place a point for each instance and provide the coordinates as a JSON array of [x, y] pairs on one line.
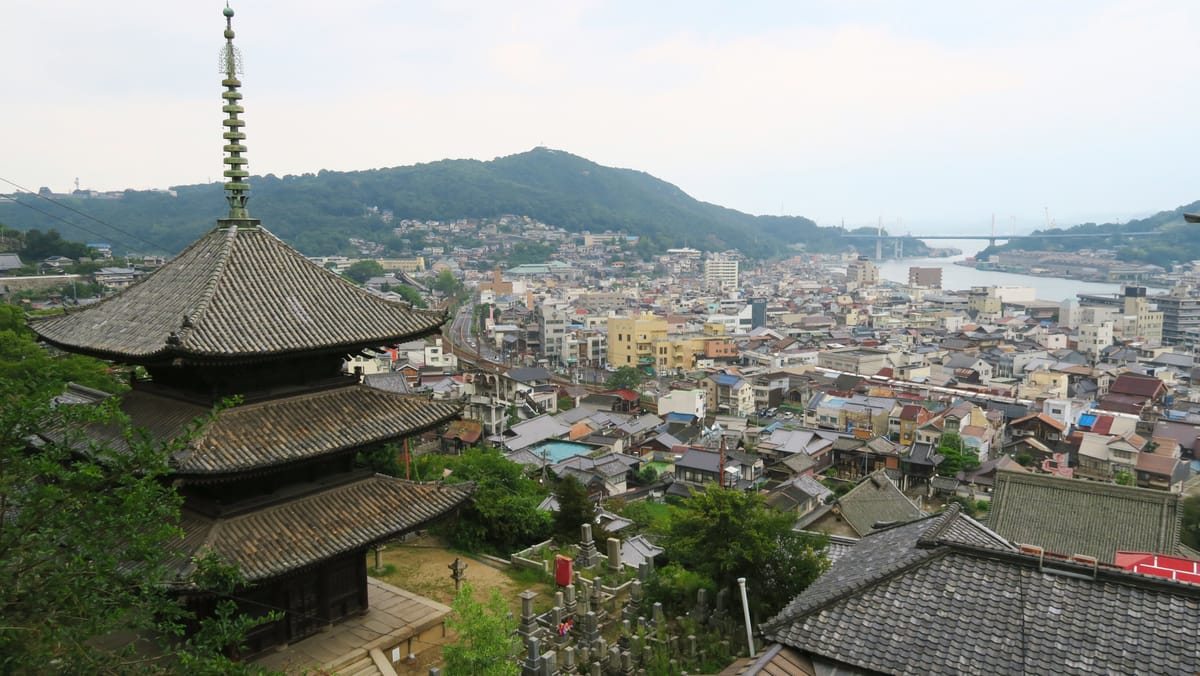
[[236, 294], [315, 526], [273, 432]]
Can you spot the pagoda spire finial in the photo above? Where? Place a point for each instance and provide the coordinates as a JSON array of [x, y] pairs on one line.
[[236, 186]]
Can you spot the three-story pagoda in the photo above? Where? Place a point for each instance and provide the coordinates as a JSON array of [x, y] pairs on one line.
[[269, 485]]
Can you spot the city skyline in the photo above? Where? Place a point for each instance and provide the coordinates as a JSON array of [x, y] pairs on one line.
[[932, 118]]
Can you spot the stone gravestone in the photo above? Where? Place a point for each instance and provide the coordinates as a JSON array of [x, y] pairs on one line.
[[614, 555], [587, 558]]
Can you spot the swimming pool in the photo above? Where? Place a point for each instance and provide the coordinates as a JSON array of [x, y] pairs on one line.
[[557, 451]]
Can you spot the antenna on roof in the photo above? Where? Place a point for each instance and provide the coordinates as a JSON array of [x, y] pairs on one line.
[[236, 172]]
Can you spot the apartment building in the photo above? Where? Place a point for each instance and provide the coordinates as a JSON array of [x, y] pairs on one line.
[[631, 340]]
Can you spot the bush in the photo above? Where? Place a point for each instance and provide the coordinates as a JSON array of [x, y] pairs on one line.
[[675, 587]]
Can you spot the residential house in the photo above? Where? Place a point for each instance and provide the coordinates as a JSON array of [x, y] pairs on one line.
[[798, 496], [527, 433], [983, 477], [460, 435], [604, 476], [854, 457], [769, 389], [693, 402], [1040, 426], [1138, 395], [780, 443], [729, 393], [905, 420], [920, 464], [1101, 457], [876, 502], [10, 262], [698, 467], [855, 413], [1161, 472]]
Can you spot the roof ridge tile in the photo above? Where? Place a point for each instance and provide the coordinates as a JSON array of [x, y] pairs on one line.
[[193, 318]]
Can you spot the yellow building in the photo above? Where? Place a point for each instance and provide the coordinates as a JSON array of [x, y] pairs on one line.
[[672, 354], [1147, 321], [631, 340], [416, 264]]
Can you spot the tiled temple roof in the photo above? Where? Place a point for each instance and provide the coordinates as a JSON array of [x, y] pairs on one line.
[[315, 527], [276, 431], [944, 595], [236, 294], [1072, 516]]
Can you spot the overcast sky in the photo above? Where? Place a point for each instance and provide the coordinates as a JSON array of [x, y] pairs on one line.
[[933, 116]]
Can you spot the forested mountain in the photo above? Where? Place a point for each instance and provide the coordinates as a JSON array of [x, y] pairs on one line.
[[1178, 241], [318, 213]]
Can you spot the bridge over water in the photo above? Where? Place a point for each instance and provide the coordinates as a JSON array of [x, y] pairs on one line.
[[898, 240]]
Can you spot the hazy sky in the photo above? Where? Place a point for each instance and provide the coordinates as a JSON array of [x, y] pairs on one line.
[[931, 115]]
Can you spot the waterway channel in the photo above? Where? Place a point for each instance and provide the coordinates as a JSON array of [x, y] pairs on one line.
[[956, 277]]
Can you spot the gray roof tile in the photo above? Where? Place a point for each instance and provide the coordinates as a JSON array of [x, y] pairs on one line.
[[876, 499], [315, 527], [234, 294], [277, 431], [1072, 516], [946, 596]]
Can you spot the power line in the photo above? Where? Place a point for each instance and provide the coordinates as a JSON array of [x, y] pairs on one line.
[[133, 237], [58, 218]]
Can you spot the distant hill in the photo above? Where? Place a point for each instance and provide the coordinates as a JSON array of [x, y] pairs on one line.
[[1179, 241], [318, 213]]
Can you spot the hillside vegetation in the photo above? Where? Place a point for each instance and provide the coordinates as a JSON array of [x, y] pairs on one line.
[[318, 213], [1176, 242]]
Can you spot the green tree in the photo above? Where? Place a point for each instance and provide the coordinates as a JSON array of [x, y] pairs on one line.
[[502, 516], [647, 475], [361, 271], [38, 245], [447, 283], [80, 537], [625, 378], [23, 360], [1190, 534], [382, 459], [481, 314], [486, 642], [575, 508], [410, 294], [956, 456], [86, 532], [529, 252], [1124, 478], [723, 534]]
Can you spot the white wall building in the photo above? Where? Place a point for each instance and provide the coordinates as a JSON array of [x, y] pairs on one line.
[[720, 273], [688, 402]]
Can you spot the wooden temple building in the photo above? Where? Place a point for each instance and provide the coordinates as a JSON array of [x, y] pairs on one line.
[[269, 485]]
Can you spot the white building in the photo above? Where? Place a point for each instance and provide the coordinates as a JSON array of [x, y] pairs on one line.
[[688, 402], [1092, 338], [720, 273], [436, 356]]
